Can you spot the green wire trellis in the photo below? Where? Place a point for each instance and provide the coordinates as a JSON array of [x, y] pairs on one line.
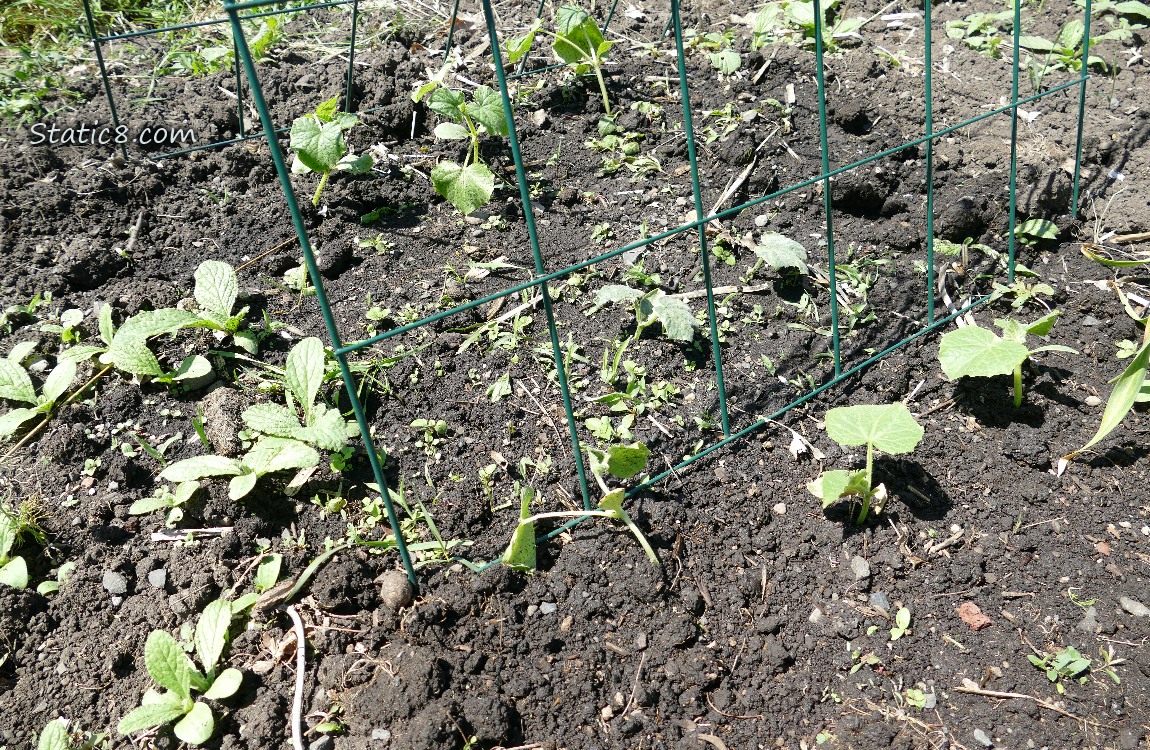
[[542, 276]]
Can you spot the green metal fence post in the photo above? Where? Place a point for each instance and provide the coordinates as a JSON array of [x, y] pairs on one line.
[[832, 270], [451, 31], [697, 193], [103, 72], [239, 87], [928, 71], [1081, 107], [347, 106], [317, 282], [533, 237], [1013, 217]]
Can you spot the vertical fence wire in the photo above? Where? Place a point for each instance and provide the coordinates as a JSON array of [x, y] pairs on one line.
[[347, 103], [697, 193], [317, 282], [929, 94], [1085, 72], [536, 252], [824, 151], [239, 87], [451, 31], [1012, 241], [96, 45]]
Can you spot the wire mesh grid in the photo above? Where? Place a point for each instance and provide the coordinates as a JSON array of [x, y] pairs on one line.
[[237, 13]]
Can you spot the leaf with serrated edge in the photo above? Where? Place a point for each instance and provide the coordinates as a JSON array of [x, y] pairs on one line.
[[779, 252], [487, 110], [271, 419], [15, 385], [678, 321], [167, 663], [318, 145], [54, 736], [154, 323], [625, 461], [304, 371], [197, 726], [212, 633], [199, 467], [328, 431], [1127, 389], [517, 47], [616, 293], [1043, 325], [577, 36], [80, 353], [467, 188], [890, 428], [216, 287], [152, 715], [133, 356], [448, 103], [978, 352]]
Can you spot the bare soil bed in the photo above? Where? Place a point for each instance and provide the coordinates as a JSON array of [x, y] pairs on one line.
[[768, 622]]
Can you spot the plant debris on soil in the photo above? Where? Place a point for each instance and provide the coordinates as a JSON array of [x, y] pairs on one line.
[[957, 617]]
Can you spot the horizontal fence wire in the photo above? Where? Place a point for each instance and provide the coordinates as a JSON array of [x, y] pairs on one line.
[[542, 277]]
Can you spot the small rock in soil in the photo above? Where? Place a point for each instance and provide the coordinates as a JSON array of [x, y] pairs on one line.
[[1133, 606], [547, 608], [780, 509], [394, 589], [879, 600], [1093, 401], [861, 568], [1089, 622], [381, 735], [323, 743], [115, 583], [982, 738], [158, 578]]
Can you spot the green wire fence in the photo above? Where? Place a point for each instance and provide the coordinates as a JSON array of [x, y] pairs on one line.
[[542, 275]]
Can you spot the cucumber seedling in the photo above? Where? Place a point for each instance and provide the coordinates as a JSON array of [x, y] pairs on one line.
[[173, 670], [650, 307], [621, 462], [470, 185], [320, 144], [576, 41], [890, 428], [979, 352]]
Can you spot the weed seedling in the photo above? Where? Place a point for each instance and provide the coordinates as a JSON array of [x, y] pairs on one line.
[[164, 497], [173, 670], [978, 352], [890, 428], [1062, 665], [901, 624], [577, 41], [466, 186], [319, 142], [621, 462], [16, 524]]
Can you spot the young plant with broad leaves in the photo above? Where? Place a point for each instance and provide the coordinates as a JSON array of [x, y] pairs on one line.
[[889, 428], [217, 289], [577, 41], [621, 462], [182, 679], [59, 735], [781, 253], [126, 347], [319, 141], [13, 568], [16, 385], [650, 307], [288, 434], [973, 351], [470, 185]]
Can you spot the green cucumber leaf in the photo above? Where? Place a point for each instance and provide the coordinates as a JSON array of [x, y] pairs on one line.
[[780, 252], [318, 145], [890, 428], [830, 486], [467, 188], [486, 108], [978, 352]]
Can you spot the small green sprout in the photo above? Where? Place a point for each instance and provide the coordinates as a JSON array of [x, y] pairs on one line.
[[174, 670], [16, 524], [320, 145], [57, 735], [1034, 231], [172, 499], [650, 307], [978, 352], [890, 428], [577, 42], [1066, 664], [901, 624], [621, 462], [16, 385]]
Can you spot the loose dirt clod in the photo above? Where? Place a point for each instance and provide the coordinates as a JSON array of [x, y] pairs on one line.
[[394, 589]]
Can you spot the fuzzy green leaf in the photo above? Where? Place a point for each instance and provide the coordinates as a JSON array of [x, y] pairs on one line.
[[678, 321], [268, 572], [467, 188], [226, 684], [1127, 389], [152, 715], [353, 164], [272, 454], [14, 573], [486, 108], [726, 62], [978, 352], [107, 327], [216, 287], [167, 663], [80, 353], [271, 419], [154, 323], [448, 103], [1042, 229], [146, 505], [1043, 325], [132, 356], [212, 633], [15, 385], [519, 46], [326, 110], [21, 351], [832, 485], [625, 461], [57, 382], [616, 293], [890, 428], [328, 430], [193, 367], [199, 467], [197, 726], [520, 554], [11, 421], [304, 371], [318, 145], [54, 736], [7, 534], [779, 252], [241, 485]]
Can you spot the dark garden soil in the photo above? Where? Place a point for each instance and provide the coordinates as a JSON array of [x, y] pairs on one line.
[[767, 623]]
